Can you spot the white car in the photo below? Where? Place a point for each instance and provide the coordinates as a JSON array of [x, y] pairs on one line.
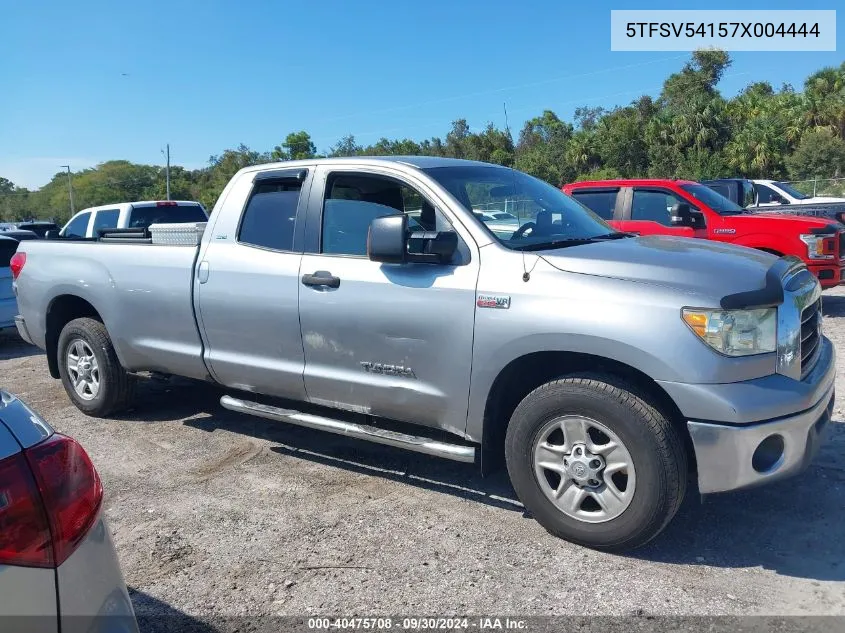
[[127, 215], [773, 193]]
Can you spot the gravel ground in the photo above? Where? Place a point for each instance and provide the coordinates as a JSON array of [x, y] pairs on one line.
[[216, 514]]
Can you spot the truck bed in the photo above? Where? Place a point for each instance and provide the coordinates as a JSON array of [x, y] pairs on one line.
[[140, 290]]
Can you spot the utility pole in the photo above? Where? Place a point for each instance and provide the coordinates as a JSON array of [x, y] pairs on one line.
[[69, 189], [167, 169]]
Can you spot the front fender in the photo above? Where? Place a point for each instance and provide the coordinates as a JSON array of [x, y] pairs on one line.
[[632, 323], [485, 373], [772, 243]]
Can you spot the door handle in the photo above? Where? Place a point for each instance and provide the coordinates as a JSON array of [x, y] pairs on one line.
[[321, 278], [202, 273]]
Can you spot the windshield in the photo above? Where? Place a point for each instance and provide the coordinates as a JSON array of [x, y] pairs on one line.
[[792, 191], [717, 202], [519, 210]]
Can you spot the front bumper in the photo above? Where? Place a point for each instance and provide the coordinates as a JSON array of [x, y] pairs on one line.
[[728, 422], [734, 457], [829, 274]]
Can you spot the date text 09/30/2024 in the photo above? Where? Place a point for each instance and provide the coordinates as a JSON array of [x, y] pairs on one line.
[[418, 624]]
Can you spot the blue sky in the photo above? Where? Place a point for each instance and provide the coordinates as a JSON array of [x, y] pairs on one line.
[[205, 76]]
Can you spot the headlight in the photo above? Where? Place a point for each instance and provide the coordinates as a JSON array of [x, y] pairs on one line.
[[735, 332], [820, 246]]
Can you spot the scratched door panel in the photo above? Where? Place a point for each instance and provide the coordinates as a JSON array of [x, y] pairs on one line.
[[393, 341]]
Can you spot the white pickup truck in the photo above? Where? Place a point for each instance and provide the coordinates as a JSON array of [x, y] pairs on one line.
[[127, 215], [771, 193]]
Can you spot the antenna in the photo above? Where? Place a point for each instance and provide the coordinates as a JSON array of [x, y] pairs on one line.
[[526, 274], [507, 127]]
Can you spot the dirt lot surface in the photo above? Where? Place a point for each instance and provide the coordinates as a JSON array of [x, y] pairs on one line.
[[217, 513]]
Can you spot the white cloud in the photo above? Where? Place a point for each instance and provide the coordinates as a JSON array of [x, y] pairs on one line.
[[34, 172]]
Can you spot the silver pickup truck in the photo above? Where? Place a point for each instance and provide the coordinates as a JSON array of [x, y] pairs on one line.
[[363, 296]]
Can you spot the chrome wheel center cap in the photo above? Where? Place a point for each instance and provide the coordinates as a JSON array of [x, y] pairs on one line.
[[583, 467]]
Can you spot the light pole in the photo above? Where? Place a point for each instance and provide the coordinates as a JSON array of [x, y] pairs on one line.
[[69, 189], [167, 170]]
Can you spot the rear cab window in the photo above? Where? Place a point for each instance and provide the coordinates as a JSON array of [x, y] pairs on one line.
[[165, 213]]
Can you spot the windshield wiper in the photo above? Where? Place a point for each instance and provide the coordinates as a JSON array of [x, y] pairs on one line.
[[569, 241], [618, 235]]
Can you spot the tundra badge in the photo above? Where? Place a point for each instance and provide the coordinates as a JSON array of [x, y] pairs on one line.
[[388, 370]]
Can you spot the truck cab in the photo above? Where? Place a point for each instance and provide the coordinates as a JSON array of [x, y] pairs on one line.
[[686, 208], [772, 193], [126, 215]]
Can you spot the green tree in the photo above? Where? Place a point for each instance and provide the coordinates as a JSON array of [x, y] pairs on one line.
[[824, 93], [821, 153], [345, 147], [297, 146], [542, 148], [620, 142], [456, 139]]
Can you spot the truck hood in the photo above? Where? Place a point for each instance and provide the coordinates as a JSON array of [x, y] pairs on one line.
[[798, 222], [710, 269], [821, 200]]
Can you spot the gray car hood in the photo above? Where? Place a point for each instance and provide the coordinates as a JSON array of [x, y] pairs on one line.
[[692, 265]]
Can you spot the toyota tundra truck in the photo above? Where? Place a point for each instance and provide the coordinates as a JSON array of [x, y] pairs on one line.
[[364, 296], [691, 209]]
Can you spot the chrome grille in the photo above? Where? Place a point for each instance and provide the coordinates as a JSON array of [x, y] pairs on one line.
[[810, 335]]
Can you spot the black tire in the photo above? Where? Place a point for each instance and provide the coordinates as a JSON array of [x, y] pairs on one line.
[[653, 442], [116, 387]]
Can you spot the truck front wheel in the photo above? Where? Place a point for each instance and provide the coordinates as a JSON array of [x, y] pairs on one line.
[[90, 370], [594, 463]]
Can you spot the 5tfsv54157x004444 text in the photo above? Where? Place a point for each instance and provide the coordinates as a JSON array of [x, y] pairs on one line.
[[721, 29]]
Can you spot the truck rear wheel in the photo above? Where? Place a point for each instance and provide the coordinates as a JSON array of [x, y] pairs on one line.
[[91, 372], [594, 463]]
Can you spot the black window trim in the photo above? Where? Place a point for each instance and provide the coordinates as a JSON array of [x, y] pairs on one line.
[[278, 175]]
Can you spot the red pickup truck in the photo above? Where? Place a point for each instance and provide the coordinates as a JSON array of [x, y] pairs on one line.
[[690, 209]]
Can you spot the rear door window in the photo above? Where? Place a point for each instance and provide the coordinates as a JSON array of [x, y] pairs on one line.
[[78, 226], [270, 215], [602, 202], [105, 219]]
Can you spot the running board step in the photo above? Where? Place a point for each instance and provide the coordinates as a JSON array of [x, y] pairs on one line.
[[416, 443]]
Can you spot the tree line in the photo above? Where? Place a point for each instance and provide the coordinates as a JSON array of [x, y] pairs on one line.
[[689, 131]]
